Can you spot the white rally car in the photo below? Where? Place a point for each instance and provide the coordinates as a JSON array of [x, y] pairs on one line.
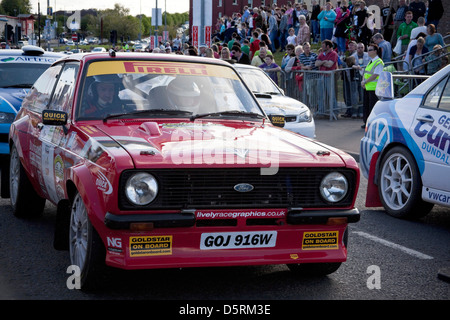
[[406, 147]]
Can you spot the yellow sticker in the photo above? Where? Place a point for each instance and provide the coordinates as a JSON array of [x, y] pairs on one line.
[[150, 246], [322, 240], [160, 67]]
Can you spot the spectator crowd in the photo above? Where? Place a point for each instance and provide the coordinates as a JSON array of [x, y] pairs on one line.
[[345, 36]]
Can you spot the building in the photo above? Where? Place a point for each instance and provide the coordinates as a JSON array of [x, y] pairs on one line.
[[22, 26]]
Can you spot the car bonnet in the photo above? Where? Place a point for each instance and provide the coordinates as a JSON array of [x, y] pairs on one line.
[[218, 143]]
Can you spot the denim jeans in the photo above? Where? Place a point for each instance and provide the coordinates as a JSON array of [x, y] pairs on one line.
[[326, 33], [315, 30]]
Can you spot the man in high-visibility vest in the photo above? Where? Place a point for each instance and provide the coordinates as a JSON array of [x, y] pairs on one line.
[[370, 79]]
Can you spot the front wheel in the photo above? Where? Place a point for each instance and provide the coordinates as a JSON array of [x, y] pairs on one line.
[[400, 185], [85, 246]]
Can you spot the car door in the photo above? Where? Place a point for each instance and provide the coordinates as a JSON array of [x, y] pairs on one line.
[[53, 138], [431, 131], [34, 103]]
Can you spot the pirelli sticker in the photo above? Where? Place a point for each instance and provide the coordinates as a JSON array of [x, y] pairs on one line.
[[150, 246], [160, 68], [321, 240]]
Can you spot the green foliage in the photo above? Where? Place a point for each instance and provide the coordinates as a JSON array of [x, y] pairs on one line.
[[21, 6]]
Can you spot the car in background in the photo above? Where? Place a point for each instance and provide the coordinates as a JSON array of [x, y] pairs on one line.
[[298, 117], [98, 49], [169, 161], [70, 43], [19, 69], [405, 152]]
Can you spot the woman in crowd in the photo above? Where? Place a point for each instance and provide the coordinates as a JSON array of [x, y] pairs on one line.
[[433, 38], [415, 56], [326, 18]]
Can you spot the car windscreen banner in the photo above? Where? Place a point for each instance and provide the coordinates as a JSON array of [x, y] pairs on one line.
[[160, 67]]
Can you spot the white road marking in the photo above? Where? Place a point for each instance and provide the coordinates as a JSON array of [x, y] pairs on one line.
[[411, 252]]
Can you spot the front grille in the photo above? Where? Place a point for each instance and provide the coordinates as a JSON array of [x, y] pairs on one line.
[[213, 188]]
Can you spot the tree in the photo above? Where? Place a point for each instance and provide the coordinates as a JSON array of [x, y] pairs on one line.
[[20, 6]]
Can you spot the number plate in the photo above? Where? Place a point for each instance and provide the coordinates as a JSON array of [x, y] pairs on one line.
[[238, 240]]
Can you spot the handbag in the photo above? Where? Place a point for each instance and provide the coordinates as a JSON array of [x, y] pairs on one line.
[[398, 47]]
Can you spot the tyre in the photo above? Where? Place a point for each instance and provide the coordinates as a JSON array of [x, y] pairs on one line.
[[25, 201], [86, 248], [400, 185]]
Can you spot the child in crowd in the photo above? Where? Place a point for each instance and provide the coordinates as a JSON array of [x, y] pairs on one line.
[[271, 68]]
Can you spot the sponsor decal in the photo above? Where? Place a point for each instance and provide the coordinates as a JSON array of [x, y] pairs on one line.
[[59, 168], [320, 240], [160, 67], [436, 196], [435, 138], [103, 183], [150, 246], [114, 244], [240, 213]]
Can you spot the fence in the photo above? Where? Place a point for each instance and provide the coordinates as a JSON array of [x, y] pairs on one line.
[[331, 93], [326, 93]]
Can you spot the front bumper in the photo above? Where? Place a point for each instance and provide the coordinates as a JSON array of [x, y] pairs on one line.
[[176, 240]]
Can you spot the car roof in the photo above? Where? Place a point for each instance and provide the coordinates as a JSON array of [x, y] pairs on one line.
[[90, 56], [30, 50]]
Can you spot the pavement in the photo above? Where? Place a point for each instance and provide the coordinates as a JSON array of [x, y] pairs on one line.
[[344, 133]]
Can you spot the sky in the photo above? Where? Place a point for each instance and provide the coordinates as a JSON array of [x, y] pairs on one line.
[[136, 6]]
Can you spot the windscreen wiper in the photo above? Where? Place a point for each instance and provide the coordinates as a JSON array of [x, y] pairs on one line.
[[147, 112], [235, 113], [19, 85]]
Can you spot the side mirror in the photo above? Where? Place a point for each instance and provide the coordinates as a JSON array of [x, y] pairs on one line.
[[385, 86]]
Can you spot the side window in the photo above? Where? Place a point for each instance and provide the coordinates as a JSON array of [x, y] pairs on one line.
[[63, 96], [433, 97], [39, 95], [445, 100]]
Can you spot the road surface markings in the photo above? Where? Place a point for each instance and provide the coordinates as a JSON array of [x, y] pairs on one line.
[[393, 245]]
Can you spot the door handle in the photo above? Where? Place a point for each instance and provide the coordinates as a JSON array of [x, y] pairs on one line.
[[426, 118]]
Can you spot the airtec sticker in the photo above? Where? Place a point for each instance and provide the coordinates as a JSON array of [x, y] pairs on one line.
[[150, 246], [322, 240]]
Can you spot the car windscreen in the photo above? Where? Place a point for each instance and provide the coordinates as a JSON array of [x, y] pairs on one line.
[[20, 75], [162, 89], [258, 81]]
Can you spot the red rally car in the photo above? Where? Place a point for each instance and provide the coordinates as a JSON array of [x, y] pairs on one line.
[[158, 161]]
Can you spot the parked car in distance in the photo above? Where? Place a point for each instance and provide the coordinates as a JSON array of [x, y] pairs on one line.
[[406, 147], [168, 161], [19, 69], [298, 117], [99, 49]]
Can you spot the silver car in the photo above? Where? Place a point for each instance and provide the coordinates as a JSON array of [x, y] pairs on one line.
[[298, 117]]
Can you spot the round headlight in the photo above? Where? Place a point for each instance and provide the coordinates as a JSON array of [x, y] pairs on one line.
[[141, 188], [334, 187]]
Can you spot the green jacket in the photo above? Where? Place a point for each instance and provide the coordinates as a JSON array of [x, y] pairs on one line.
[[405, 29]]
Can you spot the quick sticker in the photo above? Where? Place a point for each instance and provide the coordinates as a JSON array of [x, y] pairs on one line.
[[322, 240], [150, 246]]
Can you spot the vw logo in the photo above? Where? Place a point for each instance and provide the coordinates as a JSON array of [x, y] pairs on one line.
[[243, 187]]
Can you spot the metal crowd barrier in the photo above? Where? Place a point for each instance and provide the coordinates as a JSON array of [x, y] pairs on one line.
[[330, 93], [326, 93]]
